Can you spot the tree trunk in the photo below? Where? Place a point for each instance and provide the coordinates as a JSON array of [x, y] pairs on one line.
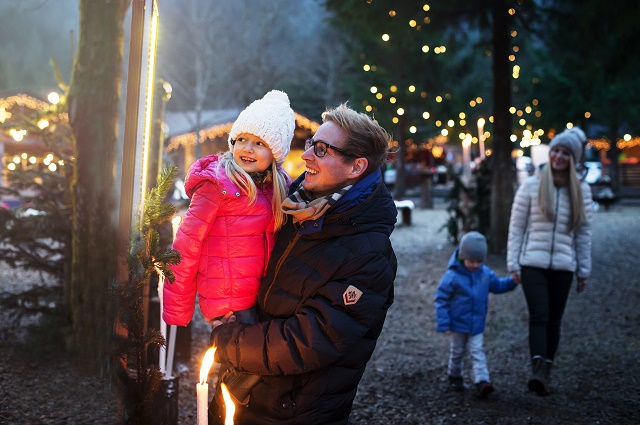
[[614, 153], [94, 98], [501, 176]]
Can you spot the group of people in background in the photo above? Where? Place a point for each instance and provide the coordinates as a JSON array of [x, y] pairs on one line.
[[296, 277], [549, 242]]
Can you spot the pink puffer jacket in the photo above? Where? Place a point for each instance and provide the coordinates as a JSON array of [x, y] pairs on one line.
[[225, 245]]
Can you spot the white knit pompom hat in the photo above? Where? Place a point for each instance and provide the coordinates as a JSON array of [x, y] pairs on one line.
[[572, 139], [271, 119]]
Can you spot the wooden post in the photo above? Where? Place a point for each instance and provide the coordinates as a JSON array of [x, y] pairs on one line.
[[426, 180]]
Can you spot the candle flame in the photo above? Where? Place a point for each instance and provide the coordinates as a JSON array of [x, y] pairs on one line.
[[207, 362], [230, 408]]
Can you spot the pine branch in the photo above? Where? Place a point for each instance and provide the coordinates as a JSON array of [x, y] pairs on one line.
[[146, 255]]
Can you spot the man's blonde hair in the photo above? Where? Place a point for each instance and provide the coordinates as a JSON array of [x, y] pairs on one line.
[[366, 138]]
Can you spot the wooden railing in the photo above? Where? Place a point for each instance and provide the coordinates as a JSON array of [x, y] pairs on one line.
[[629, 174]]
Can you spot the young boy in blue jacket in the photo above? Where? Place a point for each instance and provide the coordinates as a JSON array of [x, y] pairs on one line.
[[461, 309]]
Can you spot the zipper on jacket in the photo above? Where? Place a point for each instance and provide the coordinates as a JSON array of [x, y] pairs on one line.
[[284, 255], [553, 232]]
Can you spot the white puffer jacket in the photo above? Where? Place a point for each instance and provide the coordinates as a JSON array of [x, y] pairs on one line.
[[537, 242]]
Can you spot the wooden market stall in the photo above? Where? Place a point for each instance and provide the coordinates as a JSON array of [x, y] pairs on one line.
[[181, 143]]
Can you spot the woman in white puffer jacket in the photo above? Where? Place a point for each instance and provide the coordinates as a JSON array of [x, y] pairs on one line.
[[549, 241]]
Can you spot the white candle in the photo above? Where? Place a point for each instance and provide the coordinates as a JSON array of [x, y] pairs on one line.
[[202, 388], [203, 403], [466, 156], [175, 223], [172, 348], [481, 137], [162, 355]]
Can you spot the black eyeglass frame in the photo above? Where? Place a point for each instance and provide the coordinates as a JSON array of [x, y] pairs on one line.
[[310, 142]]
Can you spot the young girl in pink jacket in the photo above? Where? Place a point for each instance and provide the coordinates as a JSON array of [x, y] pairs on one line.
[[228, 231]]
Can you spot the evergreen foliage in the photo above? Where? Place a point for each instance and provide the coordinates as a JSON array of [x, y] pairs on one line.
[[146, 257], [37, 233]]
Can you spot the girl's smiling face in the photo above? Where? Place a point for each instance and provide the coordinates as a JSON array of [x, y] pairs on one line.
[[252, 153]]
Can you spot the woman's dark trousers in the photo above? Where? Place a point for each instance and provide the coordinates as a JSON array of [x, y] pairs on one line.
[[546, 292]]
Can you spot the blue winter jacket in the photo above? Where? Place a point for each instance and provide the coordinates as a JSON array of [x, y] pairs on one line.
[[461, 298]]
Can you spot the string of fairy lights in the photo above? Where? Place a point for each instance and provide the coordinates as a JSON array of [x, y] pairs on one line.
[[222, 130], [19, 106], [524, 116], [14, 106]]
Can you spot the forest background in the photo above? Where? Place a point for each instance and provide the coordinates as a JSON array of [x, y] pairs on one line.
[[424, 70]]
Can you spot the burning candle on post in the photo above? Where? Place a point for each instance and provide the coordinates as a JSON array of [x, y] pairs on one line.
[[481, 137], [466, 155], [175, 223], [203, 387]]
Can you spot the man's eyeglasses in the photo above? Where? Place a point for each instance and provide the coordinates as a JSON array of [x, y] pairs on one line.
[[320, 148]]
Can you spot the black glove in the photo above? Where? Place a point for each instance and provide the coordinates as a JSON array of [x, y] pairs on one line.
[[220, 335], [240, 385]]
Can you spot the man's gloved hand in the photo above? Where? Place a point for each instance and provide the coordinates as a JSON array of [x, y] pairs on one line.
[[240, 385], [214, 339]]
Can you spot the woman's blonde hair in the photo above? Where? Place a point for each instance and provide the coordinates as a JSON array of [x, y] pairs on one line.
[[546, 195], [246, 184]]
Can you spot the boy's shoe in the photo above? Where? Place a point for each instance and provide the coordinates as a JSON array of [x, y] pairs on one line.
[[484, 389], [456, 383]]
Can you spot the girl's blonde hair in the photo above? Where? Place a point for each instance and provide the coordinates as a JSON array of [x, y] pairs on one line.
[[546, 195], [246, 184]]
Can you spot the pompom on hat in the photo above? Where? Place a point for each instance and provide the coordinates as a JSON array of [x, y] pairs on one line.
[[572, 139], [473, 246], [271, 119]]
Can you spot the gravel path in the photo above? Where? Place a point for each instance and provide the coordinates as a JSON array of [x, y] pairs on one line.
[[596, 380]]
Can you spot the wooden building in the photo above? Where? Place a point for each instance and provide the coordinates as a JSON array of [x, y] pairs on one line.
[[180, 147]]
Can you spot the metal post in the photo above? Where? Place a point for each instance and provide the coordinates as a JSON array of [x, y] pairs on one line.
[[137, 123]]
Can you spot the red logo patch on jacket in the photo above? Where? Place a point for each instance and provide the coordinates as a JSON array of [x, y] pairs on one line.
[[351, 295]]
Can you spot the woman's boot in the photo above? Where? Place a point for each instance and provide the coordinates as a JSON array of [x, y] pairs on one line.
[[548, 371], [538, 381]]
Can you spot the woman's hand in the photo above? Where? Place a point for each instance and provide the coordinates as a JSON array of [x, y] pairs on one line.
[[517, 278], [582, 284]]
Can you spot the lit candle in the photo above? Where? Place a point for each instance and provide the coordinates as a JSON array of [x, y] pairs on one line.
[[162, 355], [466, 155], [166, 363], [175, 223], [202, 388], [230, 408], [481, 137]]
